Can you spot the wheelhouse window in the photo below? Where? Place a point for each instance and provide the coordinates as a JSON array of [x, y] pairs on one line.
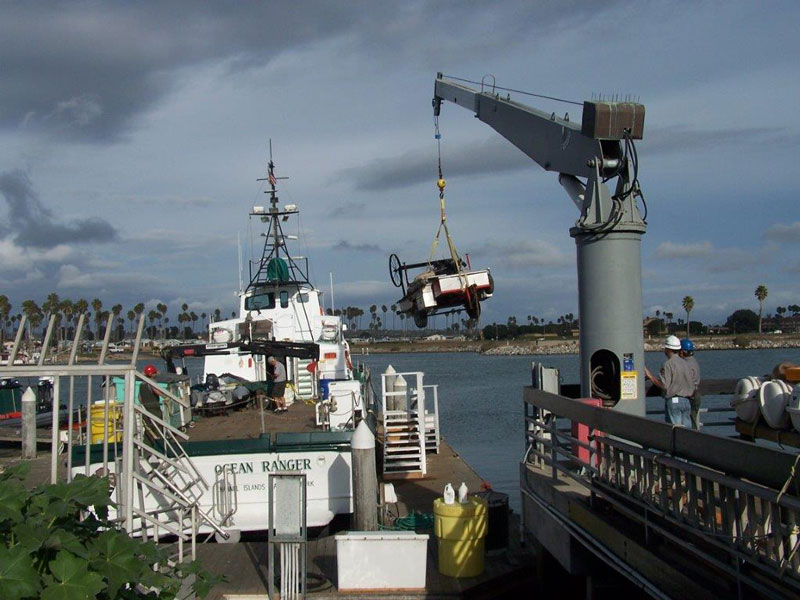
[[260, 301], [284, 299], [302, 298]]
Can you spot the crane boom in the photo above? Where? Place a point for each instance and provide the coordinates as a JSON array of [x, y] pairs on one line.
[[555, 143], [607, 234]]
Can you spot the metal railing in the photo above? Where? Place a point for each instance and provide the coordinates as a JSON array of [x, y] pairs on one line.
[[404, 425], [737, 503], [108, 433]]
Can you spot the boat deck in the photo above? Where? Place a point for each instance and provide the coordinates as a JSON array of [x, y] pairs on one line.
[[247, 423]]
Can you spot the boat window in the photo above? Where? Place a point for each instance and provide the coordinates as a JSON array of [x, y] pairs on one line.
[[284, 299], [260, 301], [302, 298]]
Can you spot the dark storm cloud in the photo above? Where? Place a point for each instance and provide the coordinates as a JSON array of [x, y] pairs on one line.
[[491, 156], [32, 224], [84, 70], [345, 245]]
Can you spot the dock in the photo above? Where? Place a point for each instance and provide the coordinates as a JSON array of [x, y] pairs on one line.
[[679, 513], [504, 573]]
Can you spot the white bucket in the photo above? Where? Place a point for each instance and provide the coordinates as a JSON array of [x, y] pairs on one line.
[[774, 397], [746, 399]]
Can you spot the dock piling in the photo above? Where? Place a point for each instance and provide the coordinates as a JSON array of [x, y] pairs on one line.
[[365, 480], [29, 424]]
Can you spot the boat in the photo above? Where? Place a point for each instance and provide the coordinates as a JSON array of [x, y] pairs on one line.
[[443, 284], [234, 442], [280, 314]]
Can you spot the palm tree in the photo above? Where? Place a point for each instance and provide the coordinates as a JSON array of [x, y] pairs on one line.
[[152, 315], [116, 310], [30, 309], [66, 308], [193, 318], [5, 310], [394, 312], [761, 293], [688, 305], [97, 304]]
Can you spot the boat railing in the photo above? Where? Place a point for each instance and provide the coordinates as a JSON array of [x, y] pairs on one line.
[[733, 504], [98, 419]]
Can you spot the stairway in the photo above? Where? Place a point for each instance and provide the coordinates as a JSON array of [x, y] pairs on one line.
[[403, 446], [304, 380]]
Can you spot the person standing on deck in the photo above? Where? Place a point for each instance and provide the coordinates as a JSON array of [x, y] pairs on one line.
[[279, 387], [676, 383], [687, 354]]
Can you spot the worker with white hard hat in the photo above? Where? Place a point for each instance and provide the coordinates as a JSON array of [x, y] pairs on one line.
[[676, 382]]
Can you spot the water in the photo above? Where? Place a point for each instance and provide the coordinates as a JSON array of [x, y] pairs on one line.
[[480, 398]]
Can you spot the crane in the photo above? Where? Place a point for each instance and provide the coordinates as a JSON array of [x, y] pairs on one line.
[[587, 155]]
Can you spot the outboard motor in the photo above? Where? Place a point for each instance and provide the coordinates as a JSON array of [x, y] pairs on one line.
[[44, 394], [212, 382]]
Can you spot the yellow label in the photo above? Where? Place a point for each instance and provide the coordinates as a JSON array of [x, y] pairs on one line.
[[627, 385]]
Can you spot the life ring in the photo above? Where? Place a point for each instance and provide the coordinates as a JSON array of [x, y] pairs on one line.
[[347, 359]]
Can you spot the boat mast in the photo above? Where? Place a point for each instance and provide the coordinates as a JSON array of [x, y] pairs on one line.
[[276, 266]]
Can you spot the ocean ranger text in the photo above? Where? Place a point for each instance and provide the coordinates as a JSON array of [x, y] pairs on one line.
[[266, 466]]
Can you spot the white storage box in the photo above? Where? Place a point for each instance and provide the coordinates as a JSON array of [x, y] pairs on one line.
[[381, 560]]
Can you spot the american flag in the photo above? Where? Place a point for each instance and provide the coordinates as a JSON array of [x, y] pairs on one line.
[[272, 180]]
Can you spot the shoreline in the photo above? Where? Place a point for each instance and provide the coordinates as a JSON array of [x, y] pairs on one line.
[[550, 347]]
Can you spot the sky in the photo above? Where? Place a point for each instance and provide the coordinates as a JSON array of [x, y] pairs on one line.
[[132, 135]]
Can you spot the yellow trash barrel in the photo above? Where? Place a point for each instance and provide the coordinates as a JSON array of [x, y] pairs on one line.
[[460, 530], [97, 416]]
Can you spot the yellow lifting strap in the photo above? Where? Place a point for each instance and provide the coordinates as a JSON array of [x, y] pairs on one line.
[[443, 225]]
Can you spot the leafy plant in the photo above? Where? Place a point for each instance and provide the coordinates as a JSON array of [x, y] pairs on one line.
[[57, 543]]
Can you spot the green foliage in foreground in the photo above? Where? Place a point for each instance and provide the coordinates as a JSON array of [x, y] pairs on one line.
[[56, 543]]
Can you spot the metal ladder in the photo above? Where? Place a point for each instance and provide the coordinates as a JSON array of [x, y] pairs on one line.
[[404, 436], [304, 380]]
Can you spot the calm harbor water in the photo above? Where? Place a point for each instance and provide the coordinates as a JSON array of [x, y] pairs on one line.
[[480, 398]]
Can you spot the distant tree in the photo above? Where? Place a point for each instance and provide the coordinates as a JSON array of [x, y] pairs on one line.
[[97, 305], [5, 310], [668, 316], [383, 310], [217, 314], [688, 305], [394, 312], [66, 308], [131, 316], [761, 294], [116, 310], [742, 321], [193, 317], [152, 315], [50, 306]]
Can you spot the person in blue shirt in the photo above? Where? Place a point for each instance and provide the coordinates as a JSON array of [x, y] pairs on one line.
[[687, 354]]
